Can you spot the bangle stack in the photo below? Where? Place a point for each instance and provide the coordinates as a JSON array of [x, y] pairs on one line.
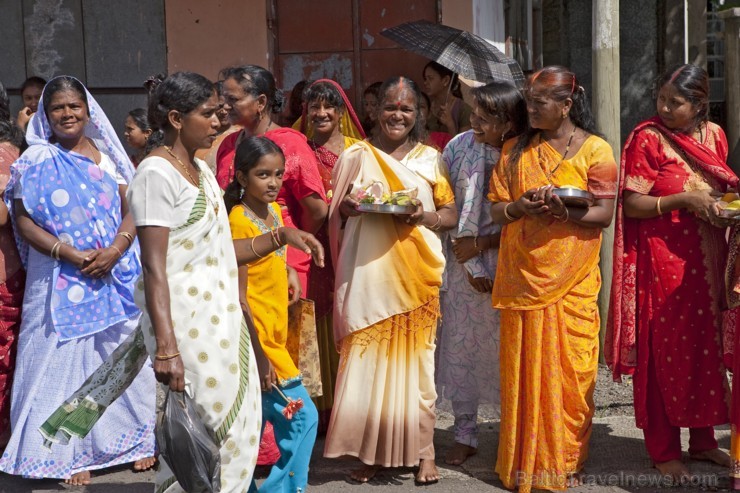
[[165, 357], [508, 216], [276, 238], [114, 247], [55, 250], [128, 236]]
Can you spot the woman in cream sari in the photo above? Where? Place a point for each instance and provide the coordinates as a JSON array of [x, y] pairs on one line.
[[387, 346]]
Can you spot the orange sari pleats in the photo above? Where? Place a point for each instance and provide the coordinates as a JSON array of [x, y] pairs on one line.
[[549, 363]]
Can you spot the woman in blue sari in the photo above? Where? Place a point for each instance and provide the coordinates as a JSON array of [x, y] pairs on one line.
[[66, 198]]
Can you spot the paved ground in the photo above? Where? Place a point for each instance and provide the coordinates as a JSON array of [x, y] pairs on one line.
[[617, 463]]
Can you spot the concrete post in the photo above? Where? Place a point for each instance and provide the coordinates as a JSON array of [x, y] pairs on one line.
[[605, 105], [732, 82]]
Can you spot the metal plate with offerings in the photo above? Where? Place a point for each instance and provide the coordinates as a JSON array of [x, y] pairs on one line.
[[386, 208], [575, 197]]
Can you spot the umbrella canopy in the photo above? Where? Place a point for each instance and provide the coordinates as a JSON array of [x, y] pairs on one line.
[[460, 51]]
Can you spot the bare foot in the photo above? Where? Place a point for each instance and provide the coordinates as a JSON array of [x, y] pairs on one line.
[[79, 479], [144, 464], [459, 453], [714, 455], [365, 473], [675, 469], [428, 473], [575, 480]]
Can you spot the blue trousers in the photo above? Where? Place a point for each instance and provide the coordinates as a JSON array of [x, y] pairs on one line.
[[295, 439]]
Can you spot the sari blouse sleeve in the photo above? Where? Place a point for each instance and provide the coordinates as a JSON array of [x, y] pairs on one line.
[[152, 197], [8, 155], [602, 173], [720, 145], [302, 177], [641, 165], [241, 226], [442, 189]]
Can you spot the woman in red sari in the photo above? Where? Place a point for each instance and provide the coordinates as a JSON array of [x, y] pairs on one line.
[[251, 98], [331, 125], [12, 275], [668, 310]]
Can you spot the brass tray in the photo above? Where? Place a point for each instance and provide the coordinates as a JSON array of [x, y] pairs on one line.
[[387, 208], [575, 197]]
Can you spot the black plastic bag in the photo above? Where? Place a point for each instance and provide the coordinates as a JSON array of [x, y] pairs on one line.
[[187, 446]]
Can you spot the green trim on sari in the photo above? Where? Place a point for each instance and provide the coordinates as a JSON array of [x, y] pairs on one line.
[[78, 414], [244, 345], [199, 208]]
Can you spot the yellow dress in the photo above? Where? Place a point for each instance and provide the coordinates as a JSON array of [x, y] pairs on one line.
[[267, 292], [549, 318]]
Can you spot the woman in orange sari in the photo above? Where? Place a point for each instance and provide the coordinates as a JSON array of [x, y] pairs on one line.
[[668, 293], [331, 125], [549, 316]]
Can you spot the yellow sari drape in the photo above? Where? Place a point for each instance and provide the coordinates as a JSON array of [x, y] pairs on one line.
[[549, 319], [267, 292], [386, 308]]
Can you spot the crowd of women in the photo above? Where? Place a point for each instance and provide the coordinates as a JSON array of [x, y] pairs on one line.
[[181, 261]]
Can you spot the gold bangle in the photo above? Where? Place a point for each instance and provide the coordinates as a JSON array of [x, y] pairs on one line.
[[657, 206], [507, 215], [255, 251], [114, 247], [128, 236], [54, 253], [165, 357], [564, 216], [436, 225]]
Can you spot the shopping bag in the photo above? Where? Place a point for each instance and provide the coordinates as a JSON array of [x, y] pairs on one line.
[[303, 344], [187, 446]]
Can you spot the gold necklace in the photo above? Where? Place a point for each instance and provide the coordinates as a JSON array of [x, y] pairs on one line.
[[214, 203], [182, 165], [562, 158]]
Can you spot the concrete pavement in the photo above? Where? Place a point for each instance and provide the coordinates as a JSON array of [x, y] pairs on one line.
[[617, 463]]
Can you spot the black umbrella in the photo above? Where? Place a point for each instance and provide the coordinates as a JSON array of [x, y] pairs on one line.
[[460, 51]]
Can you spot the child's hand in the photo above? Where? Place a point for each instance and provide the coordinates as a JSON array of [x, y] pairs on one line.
[[294, 286], [305, 242]]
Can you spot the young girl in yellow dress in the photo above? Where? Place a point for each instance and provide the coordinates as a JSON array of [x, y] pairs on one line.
[[267, 287]]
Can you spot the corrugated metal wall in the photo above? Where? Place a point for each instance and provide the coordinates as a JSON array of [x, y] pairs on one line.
[[112, 46]]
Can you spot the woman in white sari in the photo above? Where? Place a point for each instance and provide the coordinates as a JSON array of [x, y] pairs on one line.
[[387, 346], [192, 326]]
